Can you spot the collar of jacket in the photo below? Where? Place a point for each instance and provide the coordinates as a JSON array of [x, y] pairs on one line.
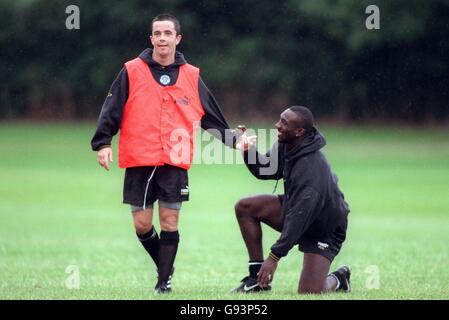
[[147, 56]]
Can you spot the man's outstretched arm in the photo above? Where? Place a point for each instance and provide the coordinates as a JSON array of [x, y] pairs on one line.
[[267, 166], [213, 117], [299, 215], [302, 205]]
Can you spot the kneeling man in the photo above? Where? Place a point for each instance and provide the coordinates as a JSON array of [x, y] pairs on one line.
[[312, 213]]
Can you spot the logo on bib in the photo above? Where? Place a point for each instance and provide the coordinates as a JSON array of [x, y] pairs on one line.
[[164, 79]]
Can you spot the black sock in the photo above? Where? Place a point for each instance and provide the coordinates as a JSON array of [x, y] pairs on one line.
[[254, 267], [150, 242], [167, 253]]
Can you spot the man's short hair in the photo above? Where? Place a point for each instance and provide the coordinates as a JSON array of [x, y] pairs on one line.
[[305, 115], [167, 17]]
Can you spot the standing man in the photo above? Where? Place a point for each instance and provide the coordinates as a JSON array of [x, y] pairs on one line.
[[312, 213], [157, 102]]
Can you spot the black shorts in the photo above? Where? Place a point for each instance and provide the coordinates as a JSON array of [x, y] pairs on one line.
[[168, 183], [325, 240]]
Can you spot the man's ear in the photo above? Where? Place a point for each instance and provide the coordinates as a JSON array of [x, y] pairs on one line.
[[178, 39], [301, 132]]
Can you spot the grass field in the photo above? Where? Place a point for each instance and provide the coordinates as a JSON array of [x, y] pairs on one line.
[[59, 208]]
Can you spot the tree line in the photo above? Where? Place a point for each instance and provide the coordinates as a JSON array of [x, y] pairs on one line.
[[255, 56]]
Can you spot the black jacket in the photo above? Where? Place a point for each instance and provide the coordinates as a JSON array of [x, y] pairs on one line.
[[111, 113], [313, 203]]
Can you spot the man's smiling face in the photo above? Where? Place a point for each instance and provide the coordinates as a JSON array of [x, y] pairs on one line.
[[164, 38]]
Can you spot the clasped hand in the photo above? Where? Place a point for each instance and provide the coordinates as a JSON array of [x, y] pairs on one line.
[[244, 142]]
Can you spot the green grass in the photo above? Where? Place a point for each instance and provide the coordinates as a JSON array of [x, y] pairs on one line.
[[59, 208]]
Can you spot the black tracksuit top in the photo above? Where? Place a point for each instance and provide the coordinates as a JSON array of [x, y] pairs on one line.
[[313, 203]]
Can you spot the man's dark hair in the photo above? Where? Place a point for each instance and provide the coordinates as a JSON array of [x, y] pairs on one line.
[[167, 17], [305, 116]]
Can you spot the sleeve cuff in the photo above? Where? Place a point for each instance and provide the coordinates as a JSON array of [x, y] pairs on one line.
[[274, 257], [103, 146]]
